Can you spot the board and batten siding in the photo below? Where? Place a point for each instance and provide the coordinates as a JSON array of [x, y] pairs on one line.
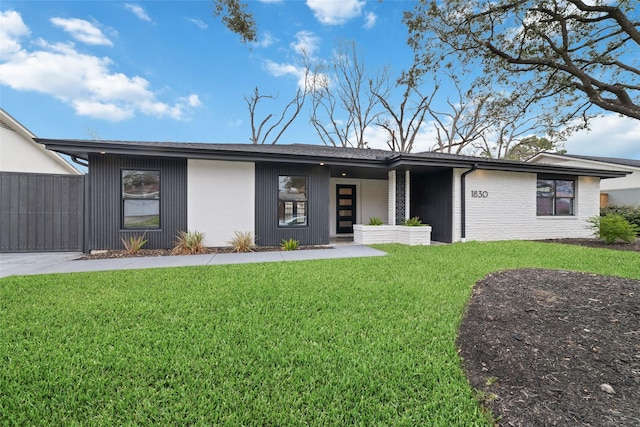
[[221, 199], [106, 203], [509, 209], [268, 233]]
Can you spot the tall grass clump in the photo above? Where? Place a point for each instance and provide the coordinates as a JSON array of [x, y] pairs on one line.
[[189, 243], [134, 243], [243, 241]]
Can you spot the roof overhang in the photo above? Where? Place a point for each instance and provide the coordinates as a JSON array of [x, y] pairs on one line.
[[368, 163]]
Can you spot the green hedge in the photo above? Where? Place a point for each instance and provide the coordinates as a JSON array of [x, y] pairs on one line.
[[630, 213]]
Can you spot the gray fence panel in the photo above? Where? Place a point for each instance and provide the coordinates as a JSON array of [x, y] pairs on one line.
[[41, 212]]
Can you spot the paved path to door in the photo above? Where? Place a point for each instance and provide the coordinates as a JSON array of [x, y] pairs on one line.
[[68, 262]]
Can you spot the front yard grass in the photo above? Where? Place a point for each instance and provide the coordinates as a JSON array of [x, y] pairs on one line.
[[367, 341]]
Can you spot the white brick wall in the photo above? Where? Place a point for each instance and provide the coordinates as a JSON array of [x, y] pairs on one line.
[[509, 210]]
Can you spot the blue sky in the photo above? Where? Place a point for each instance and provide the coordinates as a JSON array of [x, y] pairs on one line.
[[170, 71]]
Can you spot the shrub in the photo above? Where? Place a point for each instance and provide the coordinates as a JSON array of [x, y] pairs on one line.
[[289, 245], [374, 220], [413, 222], [134, 243], [612, 227], [243, 242], [630, 213], [189, 243]]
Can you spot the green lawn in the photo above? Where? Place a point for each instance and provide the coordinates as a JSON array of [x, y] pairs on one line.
[[366, 341]]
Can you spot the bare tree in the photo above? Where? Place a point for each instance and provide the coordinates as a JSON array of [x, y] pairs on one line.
[[345, 101], [464, 123], [261, 132], [402, 123]]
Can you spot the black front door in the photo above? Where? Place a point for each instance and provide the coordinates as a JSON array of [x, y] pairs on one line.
[[346, 208]]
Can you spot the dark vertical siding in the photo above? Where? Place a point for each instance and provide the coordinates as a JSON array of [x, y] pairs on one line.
[[105, 201], [41, 212], [432, 201], [267, 231]]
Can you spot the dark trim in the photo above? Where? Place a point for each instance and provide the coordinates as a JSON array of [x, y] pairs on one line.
[[310, 154], [463, 202]]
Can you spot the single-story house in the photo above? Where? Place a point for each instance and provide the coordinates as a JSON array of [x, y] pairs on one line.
[[312, 193], [617, 191]]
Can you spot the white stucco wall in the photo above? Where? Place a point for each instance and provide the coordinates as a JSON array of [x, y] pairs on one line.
[[371, 200], [18, 154], [220, 199], [509, 210]]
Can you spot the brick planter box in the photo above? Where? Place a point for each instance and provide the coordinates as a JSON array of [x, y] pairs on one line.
[[372, 234]]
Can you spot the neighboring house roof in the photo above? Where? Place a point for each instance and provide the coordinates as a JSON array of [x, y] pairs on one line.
[[362, 158], [56, 161], [612, 160]]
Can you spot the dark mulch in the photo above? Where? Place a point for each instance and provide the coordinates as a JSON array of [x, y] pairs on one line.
[[539, 346], [169, 252], [597, 243]]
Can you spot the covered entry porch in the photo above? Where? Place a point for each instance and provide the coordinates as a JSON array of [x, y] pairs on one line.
[[358, 194]]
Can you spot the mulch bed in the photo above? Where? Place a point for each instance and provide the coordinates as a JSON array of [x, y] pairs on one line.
[[541, 346], [170, 252]]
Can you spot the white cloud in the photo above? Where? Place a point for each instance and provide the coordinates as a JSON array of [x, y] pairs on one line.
[[201, 24], [193, 101], [307, 43], [86, 82], [610, 136], [370, 20], [266, 40], [335, 12], [82, 30], [138, 11], [11, 29]]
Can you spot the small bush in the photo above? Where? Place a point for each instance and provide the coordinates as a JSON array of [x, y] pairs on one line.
[[630, 213], [189, 243], [289, 245], [374, 220], [243, 242], [413, 222], [612, 227], [133, 245]]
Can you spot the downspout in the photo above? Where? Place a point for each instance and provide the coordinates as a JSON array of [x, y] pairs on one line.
[[81, 162], [463, 222]]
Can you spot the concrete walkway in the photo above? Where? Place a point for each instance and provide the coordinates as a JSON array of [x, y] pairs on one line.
[[68, 262]]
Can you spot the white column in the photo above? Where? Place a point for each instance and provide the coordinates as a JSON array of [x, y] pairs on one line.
[[407, 194], [392, 198]]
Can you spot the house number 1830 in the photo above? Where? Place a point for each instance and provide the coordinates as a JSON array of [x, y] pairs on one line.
[[479, 194]]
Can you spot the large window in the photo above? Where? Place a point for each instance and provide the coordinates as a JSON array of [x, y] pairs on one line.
[[140, 198], [555, 197], [292, 201]]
